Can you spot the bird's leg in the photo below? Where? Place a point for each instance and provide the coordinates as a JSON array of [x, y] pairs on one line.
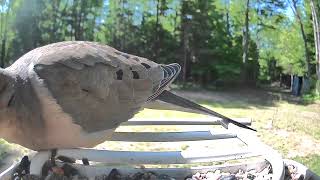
[[53, 157], [51, 166]]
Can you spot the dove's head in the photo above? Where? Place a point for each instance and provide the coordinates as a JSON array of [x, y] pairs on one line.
[[6, 95]]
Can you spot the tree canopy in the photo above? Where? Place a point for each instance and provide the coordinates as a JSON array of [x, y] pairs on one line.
[[245, 41]]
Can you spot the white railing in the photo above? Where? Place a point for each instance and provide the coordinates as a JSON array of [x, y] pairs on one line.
[[253, 148]]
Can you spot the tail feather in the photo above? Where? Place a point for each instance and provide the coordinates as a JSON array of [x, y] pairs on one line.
[[171, 98]]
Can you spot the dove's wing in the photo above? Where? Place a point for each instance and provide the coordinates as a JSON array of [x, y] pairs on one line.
[[98, 86]]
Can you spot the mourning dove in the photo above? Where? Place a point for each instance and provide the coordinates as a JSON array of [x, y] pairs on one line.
[[74, 94]]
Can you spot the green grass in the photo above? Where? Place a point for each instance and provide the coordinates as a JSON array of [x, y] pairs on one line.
[[312, 161], [310, 98], [292, 123], [290, 127], [4, 149]]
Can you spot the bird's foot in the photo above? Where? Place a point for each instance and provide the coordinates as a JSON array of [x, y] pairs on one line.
[[51, 168]]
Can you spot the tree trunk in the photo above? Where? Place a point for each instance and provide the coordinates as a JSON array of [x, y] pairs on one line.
[[75, 20], [245, 44], [316, 31], [304, 36], [185, 40], [186, 51], [3, 53], [228, 23], [3, 31], [157, 29]]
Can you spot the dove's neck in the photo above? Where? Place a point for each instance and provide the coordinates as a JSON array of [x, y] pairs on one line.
[[7, 114]]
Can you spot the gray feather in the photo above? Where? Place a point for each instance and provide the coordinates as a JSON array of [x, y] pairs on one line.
[[88, 90]]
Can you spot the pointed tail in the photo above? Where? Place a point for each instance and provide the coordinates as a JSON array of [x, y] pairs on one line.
[[171, 98]]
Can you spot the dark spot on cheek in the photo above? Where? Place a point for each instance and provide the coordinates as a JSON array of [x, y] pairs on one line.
[[146, 65], [119, 74], [135, 75]]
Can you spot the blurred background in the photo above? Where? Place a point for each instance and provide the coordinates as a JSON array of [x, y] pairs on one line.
[[244, 58]]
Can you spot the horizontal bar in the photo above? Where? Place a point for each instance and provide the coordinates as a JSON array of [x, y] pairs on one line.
[[178, 121], [140, 157], [169, 136]]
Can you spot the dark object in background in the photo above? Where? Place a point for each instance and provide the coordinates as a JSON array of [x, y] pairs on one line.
[[300, 85], [69, 171], [85, 162], [114, 175], [23, 168], [66, 159], [296, 85]]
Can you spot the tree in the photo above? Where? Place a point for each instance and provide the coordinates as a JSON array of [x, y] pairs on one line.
[[214, 40], [28, 33], [295, 10], [5, 16], [245, 44], [316, 31]]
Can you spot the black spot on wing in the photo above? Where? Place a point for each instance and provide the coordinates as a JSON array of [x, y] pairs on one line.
[[135, 75], [85, 90], [146, 65], [119, 74]]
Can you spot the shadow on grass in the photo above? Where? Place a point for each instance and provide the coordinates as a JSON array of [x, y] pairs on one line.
[[311, 161]]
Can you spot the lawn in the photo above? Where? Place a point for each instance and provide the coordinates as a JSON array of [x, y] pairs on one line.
[[283, 122]]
